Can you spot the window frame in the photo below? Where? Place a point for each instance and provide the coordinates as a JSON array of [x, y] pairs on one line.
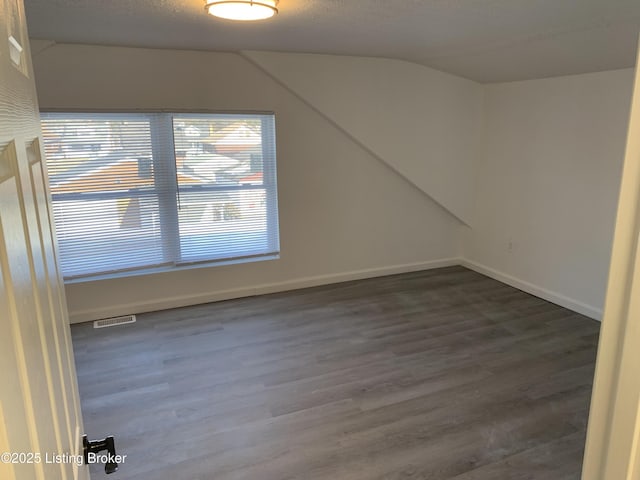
[[167, 189]]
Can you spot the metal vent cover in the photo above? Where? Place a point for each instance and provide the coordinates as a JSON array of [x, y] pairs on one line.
[[112, 322]]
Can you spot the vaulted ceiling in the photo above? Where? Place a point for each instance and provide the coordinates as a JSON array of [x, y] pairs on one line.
[[483, 40]]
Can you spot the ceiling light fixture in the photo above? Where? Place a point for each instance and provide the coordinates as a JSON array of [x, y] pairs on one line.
[[246, 10]]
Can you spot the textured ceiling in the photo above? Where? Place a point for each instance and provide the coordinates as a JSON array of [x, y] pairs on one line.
[[484, 40]]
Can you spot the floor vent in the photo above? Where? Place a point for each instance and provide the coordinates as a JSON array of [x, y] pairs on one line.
[[112, 322]]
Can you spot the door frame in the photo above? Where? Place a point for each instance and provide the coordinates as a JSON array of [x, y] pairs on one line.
[[613, 435]]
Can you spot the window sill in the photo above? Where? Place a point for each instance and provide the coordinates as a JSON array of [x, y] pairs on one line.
[[167, 269]]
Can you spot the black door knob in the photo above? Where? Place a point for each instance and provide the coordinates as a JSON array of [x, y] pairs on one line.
[[96, 446]]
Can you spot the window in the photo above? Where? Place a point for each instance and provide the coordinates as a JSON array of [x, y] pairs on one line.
[[143, 190]]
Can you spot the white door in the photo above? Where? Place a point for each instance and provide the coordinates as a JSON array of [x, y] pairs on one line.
[[613, 439], [40, 420]]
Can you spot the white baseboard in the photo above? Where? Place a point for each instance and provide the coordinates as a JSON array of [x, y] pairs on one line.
[[294, 284], [558, 299], [314, 281]]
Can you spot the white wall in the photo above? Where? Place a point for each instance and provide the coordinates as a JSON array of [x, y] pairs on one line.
[[409, 116], [548, 185], [356, 197], [343, 212]]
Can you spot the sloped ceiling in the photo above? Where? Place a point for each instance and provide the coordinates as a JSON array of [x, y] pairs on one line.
[[422, 123], [486, 41]]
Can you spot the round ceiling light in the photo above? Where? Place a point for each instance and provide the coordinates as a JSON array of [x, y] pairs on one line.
[[246, 10]]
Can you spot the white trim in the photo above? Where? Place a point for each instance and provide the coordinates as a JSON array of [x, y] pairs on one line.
[[79, 450], [262, 289], [553, 297], [613, 431]]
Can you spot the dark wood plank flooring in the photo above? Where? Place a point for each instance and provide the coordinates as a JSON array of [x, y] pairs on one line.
[[443, 374]]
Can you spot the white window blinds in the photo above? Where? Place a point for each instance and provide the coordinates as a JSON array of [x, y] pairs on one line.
[[144, 190]]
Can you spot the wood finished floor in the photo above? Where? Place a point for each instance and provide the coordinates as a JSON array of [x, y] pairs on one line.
[[443, 374]]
